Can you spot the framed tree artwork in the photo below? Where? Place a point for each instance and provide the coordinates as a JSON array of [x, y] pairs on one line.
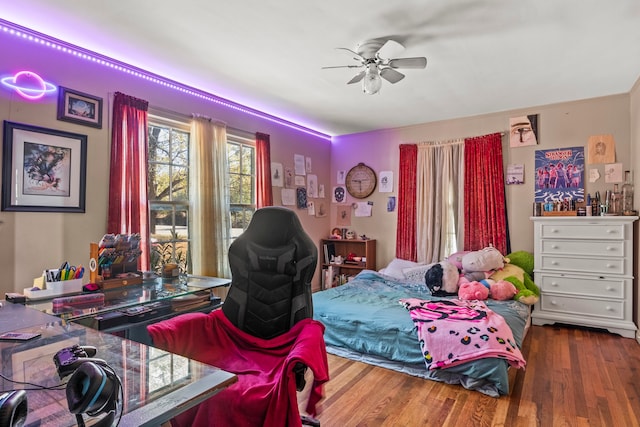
[[80, 108]]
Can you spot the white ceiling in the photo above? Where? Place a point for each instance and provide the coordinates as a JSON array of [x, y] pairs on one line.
[[483, 55]]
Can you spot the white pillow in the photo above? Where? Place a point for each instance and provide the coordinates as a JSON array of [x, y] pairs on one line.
[[395, 267], [416, 274]]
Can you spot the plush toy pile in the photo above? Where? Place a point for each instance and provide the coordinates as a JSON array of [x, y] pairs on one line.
[[478, 275]]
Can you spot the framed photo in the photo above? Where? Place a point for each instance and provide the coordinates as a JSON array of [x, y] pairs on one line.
[[43, 170], [80, 108]]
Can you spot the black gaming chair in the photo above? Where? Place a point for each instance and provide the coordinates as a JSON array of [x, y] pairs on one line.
[[272, 264]]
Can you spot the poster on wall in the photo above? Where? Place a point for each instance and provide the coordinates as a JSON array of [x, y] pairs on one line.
[[515, 174], [559, 174], [523, 131], [602, 149]]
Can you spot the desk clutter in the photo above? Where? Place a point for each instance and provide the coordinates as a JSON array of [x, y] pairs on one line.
[[113, 263], [66, 279], [117, 260]]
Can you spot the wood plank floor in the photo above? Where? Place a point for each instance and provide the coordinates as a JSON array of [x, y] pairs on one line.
[[574, 377]]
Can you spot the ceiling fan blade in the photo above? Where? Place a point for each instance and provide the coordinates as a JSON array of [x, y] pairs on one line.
[[420, 62], [356, 55], [342, 66], [389, 49], [357, 78], [391, 75]]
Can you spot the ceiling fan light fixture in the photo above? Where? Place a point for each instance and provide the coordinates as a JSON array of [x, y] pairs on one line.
[[372, 82]]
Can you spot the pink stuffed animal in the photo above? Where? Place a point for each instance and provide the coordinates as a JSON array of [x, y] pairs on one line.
[[473, 291], [503, 290]]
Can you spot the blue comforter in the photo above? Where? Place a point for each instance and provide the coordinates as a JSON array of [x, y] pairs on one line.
[[364, 317]]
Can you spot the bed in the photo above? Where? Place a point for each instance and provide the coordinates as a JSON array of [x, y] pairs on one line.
[[365, 321]]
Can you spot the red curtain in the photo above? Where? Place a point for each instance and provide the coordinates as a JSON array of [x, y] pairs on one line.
[[484, 194], [128, 204], [264, 193], [406, 230]]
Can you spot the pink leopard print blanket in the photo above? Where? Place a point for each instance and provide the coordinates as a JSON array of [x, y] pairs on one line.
[[452, 331]]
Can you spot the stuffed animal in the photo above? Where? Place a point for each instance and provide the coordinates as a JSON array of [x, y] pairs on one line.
[[528, 291], [442, 279], [486, 259], [502, 290], [456, 258], [473, 291]]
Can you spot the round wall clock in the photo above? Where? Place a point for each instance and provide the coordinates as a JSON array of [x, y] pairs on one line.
[[360, 181]]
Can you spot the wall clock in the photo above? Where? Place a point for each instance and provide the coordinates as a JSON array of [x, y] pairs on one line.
[[360, 181]]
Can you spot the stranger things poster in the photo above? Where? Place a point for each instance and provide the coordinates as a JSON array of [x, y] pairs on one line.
[[559, 174]]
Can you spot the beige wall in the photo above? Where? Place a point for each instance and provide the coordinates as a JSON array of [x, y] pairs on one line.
[[634, 113], [560, 125], [31, 241]]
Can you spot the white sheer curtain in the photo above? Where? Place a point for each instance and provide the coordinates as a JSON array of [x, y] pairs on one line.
[[208, 194], [440, 199]]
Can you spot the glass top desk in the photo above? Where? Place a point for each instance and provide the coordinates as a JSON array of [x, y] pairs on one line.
[[127, 310], [157, 385]]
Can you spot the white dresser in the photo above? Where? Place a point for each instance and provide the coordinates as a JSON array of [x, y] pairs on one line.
[[584, 268]]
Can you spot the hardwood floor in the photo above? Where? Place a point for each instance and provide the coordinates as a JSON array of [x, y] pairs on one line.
[[574, 377]]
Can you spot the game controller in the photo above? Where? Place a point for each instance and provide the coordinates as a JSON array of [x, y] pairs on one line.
[[69, 359]]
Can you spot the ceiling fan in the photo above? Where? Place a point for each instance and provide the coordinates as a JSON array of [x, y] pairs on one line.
[[375, 56]]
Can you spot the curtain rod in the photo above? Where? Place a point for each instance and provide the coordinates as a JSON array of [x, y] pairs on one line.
[[181, 117], [455, 140]]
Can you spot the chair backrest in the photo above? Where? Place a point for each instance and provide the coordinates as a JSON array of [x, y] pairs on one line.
[[272, 264]]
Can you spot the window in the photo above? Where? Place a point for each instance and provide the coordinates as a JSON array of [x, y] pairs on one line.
[[242, 182], [168, 188]]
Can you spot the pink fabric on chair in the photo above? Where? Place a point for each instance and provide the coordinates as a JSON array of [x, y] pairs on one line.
[[265, 394]]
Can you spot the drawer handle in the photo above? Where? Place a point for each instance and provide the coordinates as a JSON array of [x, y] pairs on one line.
[[554, 247], [610, 266], [554, 262], [554, 284], [609, 248], [553, 302], [609, 288], [610, 308], [554, 230]]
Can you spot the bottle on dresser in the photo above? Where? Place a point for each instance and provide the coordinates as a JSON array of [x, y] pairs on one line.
[[627, 195]]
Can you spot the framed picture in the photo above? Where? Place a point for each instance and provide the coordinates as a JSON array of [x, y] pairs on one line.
[[43, 170], [80, 108]]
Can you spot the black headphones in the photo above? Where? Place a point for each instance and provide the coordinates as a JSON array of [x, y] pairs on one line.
[[94, 388], [13, 408]]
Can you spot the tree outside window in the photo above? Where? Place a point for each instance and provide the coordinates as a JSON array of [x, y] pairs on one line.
[[168, 189], [242, 179]]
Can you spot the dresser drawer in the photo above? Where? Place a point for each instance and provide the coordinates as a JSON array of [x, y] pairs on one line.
[[611, 309], [607, 287], [603, 266], [583, 231], [613, 248]]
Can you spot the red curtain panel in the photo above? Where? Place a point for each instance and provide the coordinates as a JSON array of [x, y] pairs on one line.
[[406, 229], [485, 220], [264, 196], [128, 211]]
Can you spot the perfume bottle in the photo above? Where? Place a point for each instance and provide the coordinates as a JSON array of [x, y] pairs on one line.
[[615, 201], [627, 195]]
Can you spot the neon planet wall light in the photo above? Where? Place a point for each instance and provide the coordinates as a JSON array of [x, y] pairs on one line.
[[28, 84], [64, 47]]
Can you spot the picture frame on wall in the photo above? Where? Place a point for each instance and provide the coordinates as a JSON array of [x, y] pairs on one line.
[[43, 170], [80, 108]]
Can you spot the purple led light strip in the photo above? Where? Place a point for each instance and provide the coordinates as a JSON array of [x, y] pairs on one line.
[[43, 39]]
